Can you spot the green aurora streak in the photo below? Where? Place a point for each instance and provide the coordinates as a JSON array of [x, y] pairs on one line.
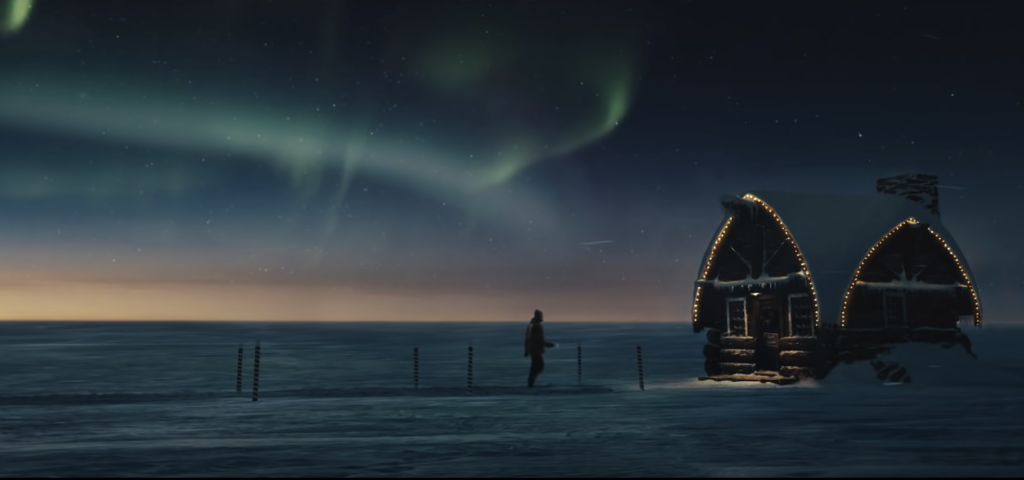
[[13, 15], [312, 150]]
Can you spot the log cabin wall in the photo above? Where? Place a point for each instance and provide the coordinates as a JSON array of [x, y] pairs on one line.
[[866, 309], [932, 309]]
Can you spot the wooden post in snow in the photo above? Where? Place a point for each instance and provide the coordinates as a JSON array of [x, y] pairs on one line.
[[640, 366]]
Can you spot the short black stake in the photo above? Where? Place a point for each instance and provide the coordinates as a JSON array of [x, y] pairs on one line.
[[238, 377], [640, 366], [415, 367], [469, 371], [256, 374], [579, 364]]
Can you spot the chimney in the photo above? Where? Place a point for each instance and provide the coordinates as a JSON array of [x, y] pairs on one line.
[[922, 188]]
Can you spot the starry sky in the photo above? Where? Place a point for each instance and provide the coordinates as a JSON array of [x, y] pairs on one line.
[[472, 160]]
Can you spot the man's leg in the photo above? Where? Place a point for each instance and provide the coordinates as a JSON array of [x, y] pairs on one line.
[[536, 366]]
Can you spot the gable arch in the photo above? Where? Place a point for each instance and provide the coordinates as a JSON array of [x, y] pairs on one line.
[[714, 249], [799, 255], [873, 251]]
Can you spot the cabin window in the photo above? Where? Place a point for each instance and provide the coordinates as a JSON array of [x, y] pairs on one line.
[[737, 322], [801, 318], [895, 310]]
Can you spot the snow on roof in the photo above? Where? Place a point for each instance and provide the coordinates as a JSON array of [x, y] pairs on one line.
[[940, 229], [711, 245], [834, 232]]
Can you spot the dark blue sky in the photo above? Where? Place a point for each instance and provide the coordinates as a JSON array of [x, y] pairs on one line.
[[448, 160]]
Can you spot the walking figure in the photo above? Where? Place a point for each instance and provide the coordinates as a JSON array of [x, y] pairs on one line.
[[535, 345]]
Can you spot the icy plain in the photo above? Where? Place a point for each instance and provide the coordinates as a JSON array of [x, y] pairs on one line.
[[158, 399]]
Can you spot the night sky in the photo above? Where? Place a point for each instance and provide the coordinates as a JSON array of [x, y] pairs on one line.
[[428, 160]]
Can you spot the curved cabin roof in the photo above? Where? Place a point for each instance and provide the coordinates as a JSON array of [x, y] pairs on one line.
[[835, 232]]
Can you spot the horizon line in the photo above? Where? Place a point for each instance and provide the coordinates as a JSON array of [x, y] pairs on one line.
[[643, 321], [9, 320]]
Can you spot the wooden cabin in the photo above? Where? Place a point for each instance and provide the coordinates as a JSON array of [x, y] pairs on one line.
[[793, 283]]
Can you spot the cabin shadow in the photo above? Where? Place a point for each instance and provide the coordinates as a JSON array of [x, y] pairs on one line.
[[793, 284]]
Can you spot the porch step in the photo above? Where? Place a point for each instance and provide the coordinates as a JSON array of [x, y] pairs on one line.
[[758, 376]]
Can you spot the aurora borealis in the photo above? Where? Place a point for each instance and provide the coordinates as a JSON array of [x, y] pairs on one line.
[[385, 160], [14, 14]]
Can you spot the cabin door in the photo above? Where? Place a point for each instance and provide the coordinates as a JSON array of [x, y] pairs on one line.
[[767, 317], [895, 310]]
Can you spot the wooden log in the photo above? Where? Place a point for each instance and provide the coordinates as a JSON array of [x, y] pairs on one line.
[[797, 372], [736, 355], [799, 343], [712, 352], [798, 358], [714, 336], [737, 342], [734, 368], [712, 367]]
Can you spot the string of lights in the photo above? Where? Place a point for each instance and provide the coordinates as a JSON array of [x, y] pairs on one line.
[[863, 261], [799, 255], [970, 286], [789, 238], [707, 265], [878, 244]]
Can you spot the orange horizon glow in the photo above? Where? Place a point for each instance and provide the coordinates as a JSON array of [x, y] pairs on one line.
[[219, 302], [91, 301]]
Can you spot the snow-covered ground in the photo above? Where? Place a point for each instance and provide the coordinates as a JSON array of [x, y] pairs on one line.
[[159, 399]]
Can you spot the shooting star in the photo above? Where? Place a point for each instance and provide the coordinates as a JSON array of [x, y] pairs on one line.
[[933, 37], [586, 245], [952, 187]]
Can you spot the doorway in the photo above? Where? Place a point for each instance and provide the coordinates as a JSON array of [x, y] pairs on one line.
[[895, 310], [766, 316]]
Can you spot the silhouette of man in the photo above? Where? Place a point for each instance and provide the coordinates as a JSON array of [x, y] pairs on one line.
[[535, 344]]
